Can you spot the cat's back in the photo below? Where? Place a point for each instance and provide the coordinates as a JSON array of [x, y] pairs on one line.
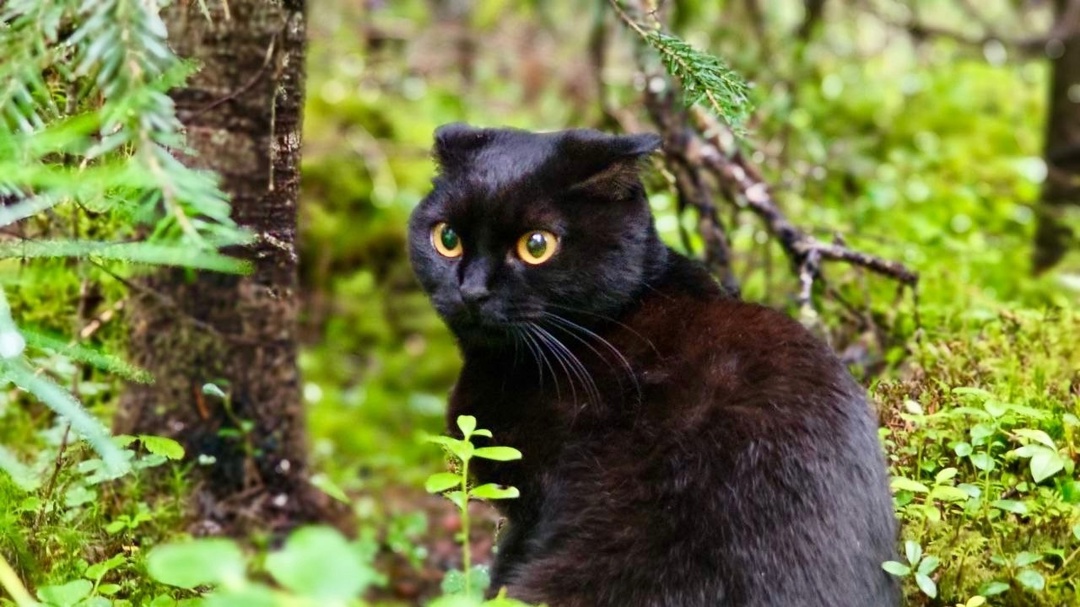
[[749, 465], [704, 352]]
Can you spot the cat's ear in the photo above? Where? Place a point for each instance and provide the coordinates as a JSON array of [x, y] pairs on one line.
[[456, 142], [610, 164]]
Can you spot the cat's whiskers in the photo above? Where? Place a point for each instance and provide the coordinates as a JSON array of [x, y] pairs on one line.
[[556, 351], [605, 318], [570, 327], [580, 371], [520, 331], [558, 324], [541, 357]]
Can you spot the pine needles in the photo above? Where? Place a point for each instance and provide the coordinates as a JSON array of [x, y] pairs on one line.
[[705, 79]]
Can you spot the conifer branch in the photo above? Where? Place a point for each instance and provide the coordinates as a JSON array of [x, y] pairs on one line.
[[706, 80]]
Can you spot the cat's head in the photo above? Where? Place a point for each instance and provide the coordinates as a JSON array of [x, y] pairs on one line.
[[521, 226]]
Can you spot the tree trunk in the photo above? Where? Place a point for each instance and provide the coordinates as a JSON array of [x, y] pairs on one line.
[[1062, 146], [243, 114]]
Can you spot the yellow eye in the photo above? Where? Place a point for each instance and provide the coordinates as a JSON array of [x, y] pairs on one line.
[[537, 246], [445, 240]]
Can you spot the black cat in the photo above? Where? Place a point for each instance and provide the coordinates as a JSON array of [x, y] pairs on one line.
[[681, 448]]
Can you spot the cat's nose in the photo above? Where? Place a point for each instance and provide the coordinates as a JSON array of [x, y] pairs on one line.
[[474, 294]]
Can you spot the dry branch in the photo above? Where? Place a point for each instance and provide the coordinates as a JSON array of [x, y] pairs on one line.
[[695, 144]]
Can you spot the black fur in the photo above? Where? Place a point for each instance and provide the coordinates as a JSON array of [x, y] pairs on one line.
[[680, 448]]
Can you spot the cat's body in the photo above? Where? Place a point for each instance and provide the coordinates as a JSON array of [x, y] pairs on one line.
[[680, 448]]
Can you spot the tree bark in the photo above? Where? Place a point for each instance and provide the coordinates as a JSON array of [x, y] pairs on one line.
[[242, 113], [1062, 145]]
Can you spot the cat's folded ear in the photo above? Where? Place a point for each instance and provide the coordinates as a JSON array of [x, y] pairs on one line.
[[456, 142], [607, 165]]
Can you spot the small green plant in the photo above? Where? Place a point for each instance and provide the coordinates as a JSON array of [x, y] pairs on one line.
[[918, 565], [316, 566], [455, 487]]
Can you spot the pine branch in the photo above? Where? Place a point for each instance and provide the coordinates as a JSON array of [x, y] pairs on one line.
[[706, 80]]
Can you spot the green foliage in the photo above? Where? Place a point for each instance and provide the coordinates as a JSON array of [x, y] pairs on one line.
[[704, 78], [89, 137], [316, 566], [470, 581], [982, 441]]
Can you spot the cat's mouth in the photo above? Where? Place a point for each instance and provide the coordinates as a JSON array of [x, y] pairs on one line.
[[475, 328]]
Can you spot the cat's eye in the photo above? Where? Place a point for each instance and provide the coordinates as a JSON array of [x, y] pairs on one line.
[[537, 246], [445, 240]]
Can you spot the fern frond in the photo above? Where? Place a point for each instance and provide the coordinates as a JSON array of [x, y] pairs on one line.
[[13, 369], [42, 341], [132, 252], [16, 371]]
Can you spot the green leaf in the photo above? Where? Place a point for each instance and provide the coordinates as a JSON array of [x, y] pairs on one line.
[[900, 483], [995, 408], [466, 423], [210, 389], [160, 445], [317, 562], [896, 568], [492, 491], [970, 489], [196, 563], [928, 565], [1045, 463], [97, 571], [66, 595], [1025, 558], [1031, 579], [913, 551], [1026, 451], [1010, 506], [971, 391], [993, 588], [962, 449], [983, 462], [926, 585], [1076, 531], [441, 481], [945, 474], [980, 432], [482, 432], [1036, 435], [458, 498], [461, 449], [501, 454], [453, 582], [947, 493], [479, 580]]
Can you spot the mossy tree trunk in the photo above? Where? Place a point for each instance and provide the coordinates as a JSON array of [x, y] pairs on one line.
[[243, 113], [1061, 190]]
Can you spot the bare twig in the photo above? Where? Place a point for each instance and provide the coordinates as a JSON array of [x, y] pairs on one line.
[[695, 141], [803, 249]]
